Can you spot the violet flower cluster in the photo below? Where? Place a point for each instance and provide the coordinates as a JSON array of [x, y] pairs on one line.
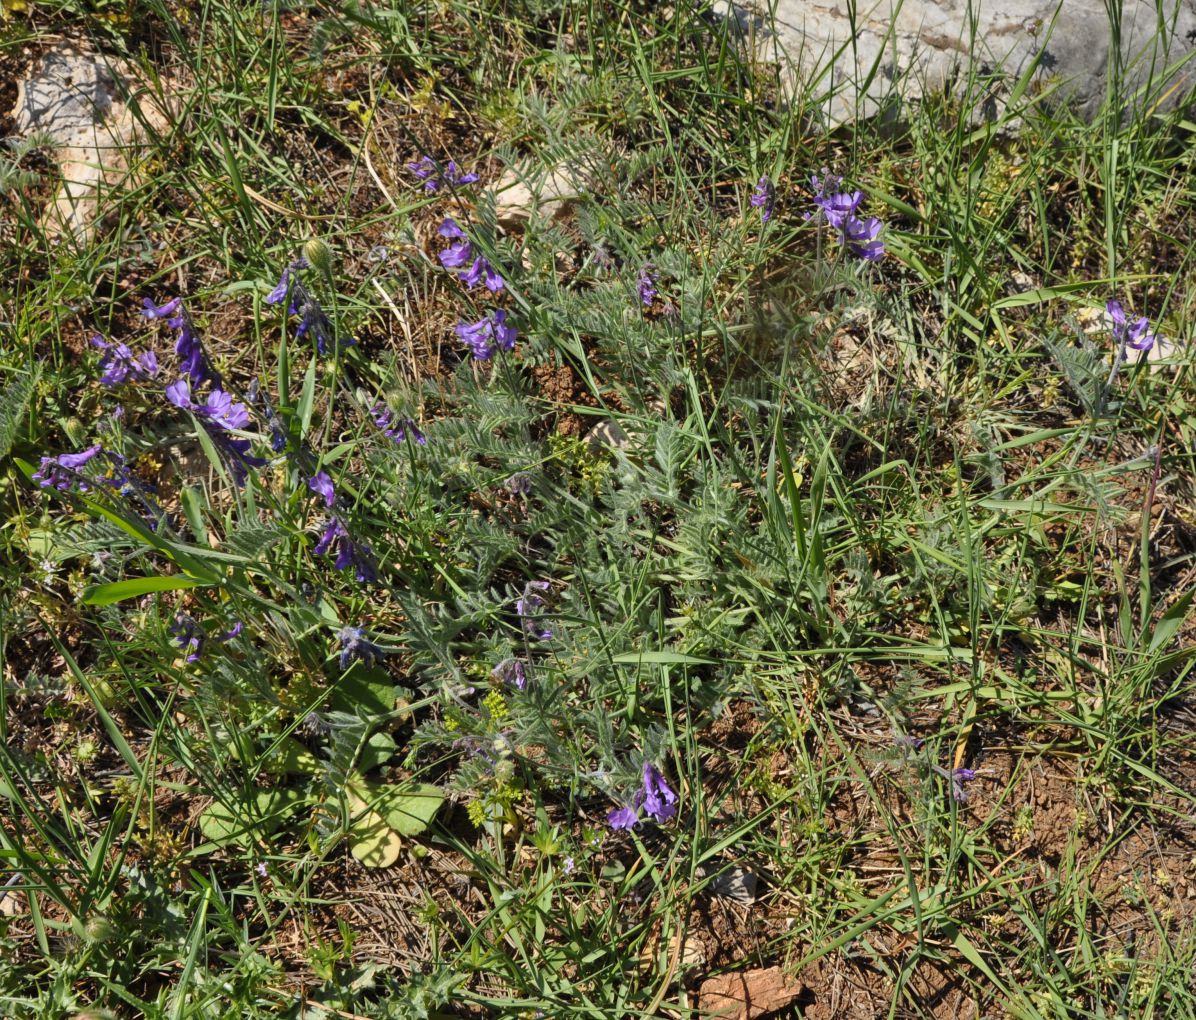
[[511, 672], [191, 636], [460, 255], [62, 472], [1135, 335], [645, 284], [655, 797], [434, 177], [219, 414], [490, 333], [529, 608], [118, 364], [860, 236], [301, 302], [397, 430], [336, 540], [356, 647], [193, 359], [764, 198]]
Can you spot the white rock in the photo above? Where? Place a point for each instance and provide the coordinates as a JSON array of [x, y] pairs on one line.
[[550, 196], [917, 47], [87, 105]]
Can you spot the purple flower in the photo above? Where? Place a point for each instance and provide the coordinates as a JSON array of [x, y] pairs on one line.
[[862, 237], [528, 607], [519, 484], [62, 472], [164, 311], [481, 337], [512, 672], [384, 418], [426, 168], [482, 270], [357, 555], [838, 207], [232, 632], [222, 411], [179, 394], [764, 197], [321, 484], [958, 778], [460, 253], [659, 799], [355, 646], [219, 409], [189, 634], [625, 817], [117, 363], [1130, 334], [193, 360], [312, 318], [655, 796], [217, 414], [280, 289], [646, 284]]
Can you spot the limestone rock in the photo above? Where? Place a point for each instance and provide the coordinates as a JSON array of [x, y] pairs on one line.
[[550, 196], [98, 113], [904, 50]]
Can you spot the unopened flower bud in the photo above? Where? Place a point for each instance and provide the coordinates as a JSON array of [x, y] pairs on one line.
[[73, 428], [99, 929], [319, 255]]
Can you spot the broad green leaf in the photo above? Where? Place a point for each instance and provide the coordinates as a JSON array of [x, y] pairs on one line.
[[241, 823], [378, 750], [364, 692], [291, 758], [382, 814], [130, 588]]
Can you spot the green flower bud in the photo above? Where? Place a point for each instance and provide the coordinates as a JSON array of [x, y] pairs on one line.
[[73, 428], [319, 255], [100, 929]]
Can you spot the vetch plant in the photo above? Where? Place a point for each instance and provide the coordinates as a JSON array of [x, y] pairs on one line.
[[1127, 336], [384, 418], [490, 333], [433, 176], [528, 607], [62, 472], [838, 208], [764, 197], [654, 796], [460, 252], [300, 301], [356, 647], [193, 359], [118, 364]]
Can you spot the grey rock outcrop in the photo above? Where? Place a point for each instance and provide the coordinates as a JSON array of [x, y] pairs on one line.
[[97, 113], [860, 58]]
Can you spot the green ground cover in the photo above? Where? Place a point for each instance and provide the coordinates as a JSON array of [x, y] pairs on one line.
[[335, 677]]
